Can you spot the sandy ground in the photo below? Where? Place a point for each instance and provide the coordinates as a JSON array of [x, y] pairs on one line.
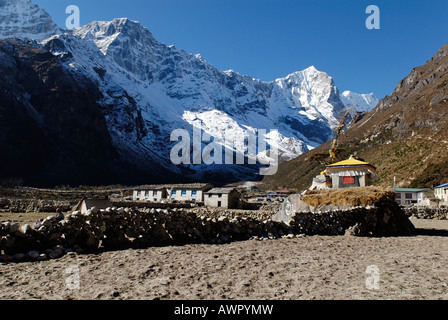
[[310, 267]]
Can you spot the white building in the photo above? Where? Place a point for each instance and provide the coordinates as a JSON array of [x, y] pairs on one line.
[[178, 192], [222, 198], [441, 192], [150, 193], [408, 196]]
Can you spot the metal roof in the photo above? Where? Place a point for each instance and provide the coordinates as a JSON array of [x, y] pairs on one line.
[[410, 189]]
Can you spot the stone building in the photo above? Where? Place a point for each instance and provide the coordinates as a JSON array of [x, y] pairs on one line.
[[222, 198], [150, 193], [190, 192]]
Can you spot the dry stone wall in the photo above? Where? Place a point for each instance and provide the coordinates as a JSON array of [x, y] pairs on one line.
[[33, 205], [133, 227], [422, 212]]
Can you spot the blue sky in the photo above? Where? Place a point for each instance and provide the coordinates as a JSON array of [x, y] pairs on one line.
[[269, 39]]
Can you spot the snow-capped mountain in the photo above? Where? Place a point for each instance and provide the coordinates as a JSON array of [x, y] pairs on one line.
[[360, 102], [25, 20], [150, 89]]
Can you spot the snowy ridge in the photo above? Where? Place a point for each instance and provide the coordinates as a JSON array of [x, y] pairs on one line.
[[25, 20], [361, 102], [150, 89]]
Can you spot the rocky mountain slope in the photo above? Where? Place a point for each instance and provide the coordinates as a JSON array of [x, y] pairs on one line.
[[405, 136], [145, 89]]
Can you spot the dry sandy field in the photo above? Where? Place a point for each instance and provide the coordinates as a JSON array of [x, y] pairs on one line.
[[302, 268]]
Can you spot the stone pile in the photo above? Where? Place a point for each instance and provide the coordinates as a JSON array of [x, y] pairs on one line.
[[358, 221]]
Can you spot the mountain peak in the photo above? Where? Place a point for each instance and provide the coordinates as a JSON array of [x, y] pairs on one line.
[[25, 20], [361, 102], [104, 33], [311, 69]]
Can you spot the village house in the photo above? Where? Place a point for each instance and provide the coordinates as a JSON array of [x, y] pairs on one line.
[[409, 196], [179, 192], [150, 193], [441, 192], [188, 192], [344, 174], [222, 198]]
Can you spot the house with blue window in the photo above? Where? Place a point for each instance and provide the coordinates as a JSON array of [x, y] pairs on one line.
[[178, 192], [441, 192], [188, 192]]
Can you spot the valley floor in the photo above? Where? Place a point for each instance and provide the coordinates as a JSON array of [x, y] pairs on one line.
[[309, 267]]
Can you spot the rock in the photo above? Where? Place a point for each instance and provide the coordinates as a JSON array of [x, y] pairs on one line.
[[14, 227], [42, 257], [18, 257], [33, 254], [54, 254], [6, 258], [26, 229], [6, 226]]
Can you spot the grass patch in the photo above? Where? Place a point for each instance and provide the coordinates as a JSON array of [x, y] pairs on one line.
[[356, 196]]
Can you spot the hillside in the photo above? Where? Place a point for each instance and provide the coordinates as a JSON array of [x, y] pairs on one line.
[[405, 136]]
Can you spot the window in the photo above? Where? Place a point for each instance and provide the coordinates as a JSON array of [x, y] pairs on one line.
[[173, 193], [398, 195], [219, 195], [348, 180], [138, 193], [194, 193], [146, 193], [183, 193], [408, 195], [154, 193]]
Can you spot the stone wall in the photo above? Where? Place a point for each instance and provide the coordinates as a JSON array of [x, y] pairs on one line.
[[132, 227], [34, 205], [421, 212]]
